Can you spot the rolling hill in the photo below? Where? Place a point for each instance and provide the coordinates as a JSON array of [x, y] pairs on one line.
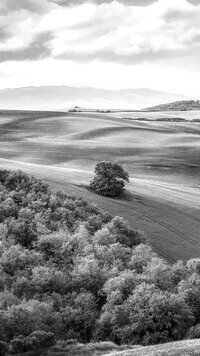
[[180, 348], [64, 97], [185, 105], [162, 158]]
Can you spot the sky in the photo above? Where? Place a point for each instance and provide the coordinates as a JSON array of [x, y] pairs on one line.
[[101, 43]]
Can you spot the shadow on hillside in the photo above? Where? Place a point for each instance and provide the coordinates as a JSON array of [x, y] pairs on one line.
[[125, 196]]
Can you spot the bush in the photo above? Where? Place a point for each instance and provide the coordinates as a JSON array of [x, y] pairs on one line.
[[194, 332], [105, 346], [43, 339], [37, 340], [71, 342], [3, 348], [147, 316], [17, 345], [109, 179]]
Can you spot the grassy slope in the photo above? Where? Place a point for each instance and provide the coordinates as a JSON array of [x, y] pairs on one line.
[[162, 158], [181, 348], [160, 115]]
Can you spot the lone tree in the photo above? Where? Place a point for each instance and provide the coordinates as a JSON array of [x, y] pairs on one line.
[[109, 179]]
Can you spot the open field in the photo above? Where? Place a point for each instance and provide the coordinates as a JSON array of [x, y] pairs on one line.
[[155, 115], [163, 159], [180, 348]]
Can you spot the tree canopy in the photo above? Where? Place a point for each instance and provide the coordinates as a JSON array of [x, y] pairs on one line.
[[69, 271], [109, 179]]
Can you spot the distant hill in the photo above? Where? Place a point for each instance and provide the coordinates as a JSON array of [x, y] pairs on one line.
[[64, 97], [184, 105]]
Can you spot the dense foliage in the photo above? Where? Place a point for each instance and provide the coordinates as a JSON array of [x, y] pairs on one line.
[[69, 271], [109, 179]]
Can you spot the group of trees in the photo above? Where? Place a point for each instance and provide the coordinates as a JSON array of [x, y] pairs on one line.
[[69, 271]]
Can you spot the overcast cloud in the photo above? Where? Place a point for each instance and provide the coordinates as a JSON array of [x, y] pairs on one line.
[[163, 34]]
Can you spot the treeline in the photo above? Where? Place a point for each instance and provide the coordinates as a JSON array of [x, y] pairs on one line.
[[69, 271]]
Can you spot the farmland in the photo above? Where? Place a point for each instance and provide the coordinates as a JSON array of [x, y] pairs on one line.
[[162, 158]]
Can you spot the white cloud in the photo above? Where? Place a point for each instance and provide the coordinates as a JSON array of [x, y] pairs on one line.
[[44, 36], [124, 34], [109, 31]]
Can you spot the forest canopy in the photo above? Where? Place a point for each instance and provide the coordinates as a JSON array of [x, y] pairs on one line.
[[71, 271]]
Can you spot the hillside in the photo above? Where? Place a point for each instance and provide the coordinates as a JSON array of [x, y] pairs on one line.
[[164, 195], [182, 348], [63, 150], [178, 348], [72, 274], [64, 97], [185, 105]]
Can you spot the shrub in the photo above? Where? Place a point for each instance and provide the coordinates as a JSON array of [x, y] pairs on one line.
[[194, 332], [26, 317], [124, 233], [17, 345], [193, 266], [43, 339], [37, 340], [148, 316], [105, 346], [71, 342], [3, 348]]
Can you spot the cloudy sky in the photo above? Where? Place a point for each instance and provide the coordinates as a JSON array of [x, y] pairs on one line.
[[101, 43]]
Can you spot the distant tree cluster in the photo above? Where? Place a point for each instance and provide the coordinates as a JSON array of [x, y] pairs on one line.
[[69, 271]]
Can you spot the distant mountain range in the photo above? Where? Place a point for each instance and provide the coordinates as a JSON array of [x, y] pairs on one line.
[[184, 105], [64, 98]]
